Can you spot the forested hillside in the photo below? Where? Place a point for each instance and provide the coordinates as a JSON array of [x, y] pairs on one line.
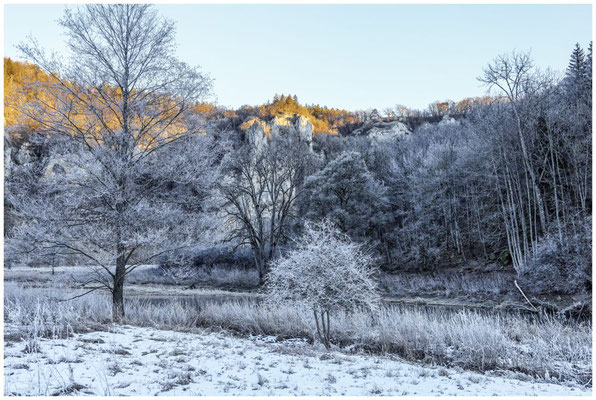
[[17, 75], [498, 182], [325, 120]]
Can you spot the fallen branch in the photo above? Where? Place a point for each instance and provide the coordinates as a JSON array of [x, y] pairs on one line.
[[523, 294]]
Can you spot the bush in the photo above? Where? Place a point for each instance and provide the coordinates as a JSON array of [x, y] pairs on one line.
[[327, 272], [217, 266], [222, 257]]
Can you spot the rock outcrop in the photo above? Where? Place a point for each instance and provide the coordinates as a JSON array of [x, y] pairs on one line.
[[379, 130], [258, 131], [447, 120], [304, 129], [281, 125]]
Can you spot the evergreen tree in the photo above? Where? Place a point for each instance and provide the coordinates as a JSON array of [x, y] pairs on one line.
[[577, 64], [588, 68]]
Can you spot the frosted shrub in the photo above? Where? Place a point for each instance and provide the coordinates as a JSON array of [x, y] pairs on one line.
[[326, 272]]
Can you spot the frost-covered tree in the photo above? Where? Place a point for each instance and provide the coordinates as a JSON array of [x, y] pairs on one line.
[[327, 272], [116, 101], [516, 79], [346, 193], [260, 194], [75, 210]]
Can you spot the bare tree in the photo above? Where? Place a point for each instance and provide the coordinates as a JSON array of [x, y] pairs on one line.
[[260, 195], [117, 101], [513, 76], [402, 111], [389, 113], [326, 272]]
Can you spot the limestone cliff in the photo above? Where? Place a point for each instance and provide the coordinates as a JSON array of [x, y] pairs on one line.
[[257, 131]]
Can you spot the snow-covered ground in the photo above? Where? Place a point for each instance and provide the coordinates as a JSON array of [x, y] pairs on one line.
[[144, 361]]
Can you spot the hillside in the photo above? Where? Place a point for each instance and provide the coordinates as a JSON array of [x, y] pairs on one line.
[[324, 119], [16, 76]]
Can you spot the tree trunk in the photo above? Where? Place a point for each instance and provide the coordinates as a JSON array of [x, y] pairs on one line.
[[318, 326], [118, 303], [328, 333], [261, 268], [530, 170], [323, 328], [118, 289]]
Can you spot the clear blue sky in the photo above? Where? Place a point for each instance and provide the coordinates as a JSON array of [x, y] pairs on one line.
[[348, 56]]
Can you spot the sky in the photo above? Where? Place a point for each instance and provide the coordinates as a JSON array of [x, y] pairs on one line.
[[346, 56]]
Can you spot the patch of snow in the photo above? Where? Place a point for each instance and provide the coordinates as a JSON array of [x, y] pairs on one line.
[[144, 361]]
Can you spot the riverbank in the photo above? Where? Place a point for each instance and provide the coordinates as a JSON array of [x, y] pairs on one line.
[[484, 291]]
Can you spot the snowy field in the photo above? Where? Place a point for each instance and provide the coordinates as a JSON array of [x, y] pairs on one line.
[[145, 361]]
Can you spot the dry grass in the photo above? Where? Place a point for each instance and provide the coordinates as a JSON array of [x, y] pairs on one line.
[[214, 277], [443, 284], [65, 276], [546, 348]]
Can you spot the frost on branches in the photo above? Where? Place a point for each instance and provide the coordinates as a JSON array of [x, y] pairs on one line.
[[119, 107], [326, 272]]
